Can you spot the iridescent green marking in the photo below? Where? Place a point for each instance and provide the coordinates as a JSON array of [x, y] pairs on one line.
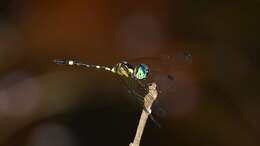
[[141, 72]]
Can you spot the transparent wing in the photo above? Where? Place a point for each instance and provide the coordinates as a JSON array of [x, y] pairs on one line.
[[164, 63], [163, 69]]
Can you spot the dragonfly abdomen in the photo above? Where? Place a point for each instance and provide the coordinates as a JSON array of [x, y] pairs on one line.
[[77, 63], [123, 68]]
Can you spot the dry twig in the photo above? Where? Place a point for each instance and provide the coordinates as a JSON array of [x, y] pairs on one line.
[[148, 101]]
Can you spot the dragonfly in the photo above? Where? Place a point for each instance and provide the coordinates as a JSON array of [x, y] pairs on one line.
[[140, 73]]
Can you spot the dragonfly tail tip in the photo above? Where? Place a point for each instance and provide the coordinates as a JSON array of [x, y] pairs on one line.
[[59, 61]]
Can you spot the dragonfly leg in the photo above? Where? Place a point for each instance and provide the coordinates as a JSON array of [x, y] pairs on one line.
[[146, 89], [155, 122], [131, 91], [140, 98]]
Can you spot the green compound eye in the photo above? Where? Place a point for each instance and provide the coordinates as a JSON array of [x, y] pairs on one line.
[[141, 72]]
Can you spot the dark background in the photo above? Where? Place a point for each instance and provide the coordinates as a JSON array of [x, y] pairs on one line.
[[42, 104]]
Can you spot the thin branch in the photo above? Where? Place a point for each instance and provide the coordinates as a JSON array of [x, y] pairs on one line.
[[148, 101]]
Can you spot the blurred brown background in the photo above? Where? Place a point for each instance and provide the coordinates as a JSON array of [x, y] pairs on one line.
[[42, 104]]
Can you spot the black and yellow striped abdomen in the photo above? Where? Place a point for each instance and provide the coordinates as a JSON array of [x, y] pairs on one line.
[[123, 68]]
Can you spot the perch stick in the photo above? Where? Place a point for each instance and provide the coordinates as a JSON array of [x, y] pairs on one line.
[[148, 101]]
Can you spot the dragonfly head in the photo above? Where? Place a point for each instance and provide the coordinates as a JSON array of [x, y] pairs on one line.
[[141, 71]]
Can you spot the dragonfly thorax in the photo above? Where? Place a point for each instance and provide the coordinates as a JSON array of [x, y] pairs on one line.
[[124, 69]]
